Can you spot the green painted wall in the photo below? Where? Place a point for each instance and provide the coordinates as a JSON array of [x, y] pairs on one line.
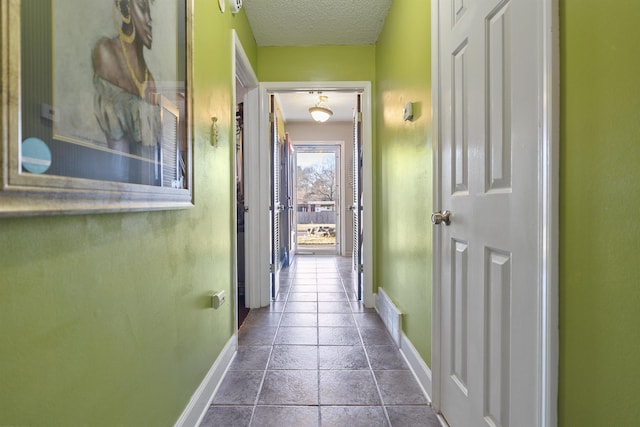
[[316, 63], [599, 220], [104, 318], [403, 167]]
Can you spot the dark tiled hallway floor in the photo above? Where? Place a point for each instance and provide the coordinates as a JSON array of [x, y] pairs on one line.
[[317, 357]]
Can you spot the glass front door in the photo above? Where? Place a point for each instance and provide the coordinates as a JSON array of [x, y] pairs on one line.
[[317, 199]]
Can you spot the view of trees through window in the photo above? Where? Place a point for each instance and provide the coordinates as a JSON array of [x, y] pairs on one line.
[[316, 193]]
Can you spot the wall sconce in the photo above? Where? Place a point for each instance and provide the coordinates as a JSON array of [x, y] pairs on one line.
[[321, 112], [214, 132], [407, 112]]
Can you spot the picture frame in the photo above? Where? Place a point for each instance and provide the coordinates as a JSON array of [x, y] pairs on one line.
[[96, 106]]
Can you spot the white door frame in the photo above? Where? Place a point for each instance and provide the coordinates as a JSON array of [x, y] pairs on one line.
[[548, 167], [257, 188], [243, 71]]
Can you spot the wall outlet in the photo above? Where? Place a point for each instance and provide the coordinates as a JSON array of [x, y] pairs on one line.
[[47, 112], [218, 299]]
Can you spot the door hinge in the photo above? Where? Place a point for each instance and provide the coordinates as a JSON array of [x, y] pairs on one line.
[[272, 117], [272, 268], [359, 117], [360, 268]]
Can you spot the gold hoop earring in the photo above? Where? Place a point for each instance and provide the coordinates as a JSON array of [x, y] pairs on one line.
[[127, 38], [125, 19]]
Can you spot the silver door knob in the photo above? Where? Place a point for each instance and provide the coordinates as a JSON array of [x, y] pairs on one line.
[[440, 217]]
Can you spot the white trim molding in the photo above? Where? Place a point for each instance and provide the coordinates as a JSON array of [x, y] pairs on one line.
[[392, 319], [261, 180], [436, 297], [549, 171], [201, 399], [417, 365], [243, 72]]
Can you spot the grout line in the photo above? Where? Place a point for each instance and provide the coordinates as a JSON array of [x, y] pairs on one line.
[[266, 368], [375, 380], [291, 276]]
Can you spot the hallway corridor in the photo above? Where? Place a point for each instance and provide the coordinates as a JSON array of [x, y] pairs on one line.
[[317, 357]]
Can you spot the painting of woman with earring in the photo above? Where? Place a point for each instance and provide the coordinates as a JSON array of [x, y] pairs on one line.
[[102, 101], [125, 100]]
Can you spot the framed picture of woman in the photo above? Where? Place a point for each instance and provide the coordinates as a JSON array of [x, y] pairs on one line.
[[97, 112]]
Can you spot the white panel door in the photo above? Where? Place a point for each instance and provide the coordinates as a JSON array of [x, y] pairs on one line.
[[490, 137]]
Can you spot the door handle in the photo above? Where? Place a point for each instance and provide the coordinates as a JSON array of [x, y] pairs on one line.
[[440, 217]]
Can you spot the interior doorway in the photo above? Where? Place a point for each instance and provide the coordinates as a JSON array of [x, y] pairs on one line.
[[317, 199], [245, 99], [241, 259], [328, 216], [259, 164]]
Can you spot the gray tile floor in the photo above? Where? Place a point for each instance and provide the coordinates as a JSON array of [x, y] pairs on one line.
[[317, 357]]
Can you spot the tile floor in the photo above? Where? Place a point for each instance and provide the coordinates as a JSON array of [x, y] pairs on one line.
[[317, 357]]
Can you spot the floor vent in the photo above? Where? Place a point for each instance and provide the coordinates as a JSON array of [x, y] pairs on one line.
[[390, 315]]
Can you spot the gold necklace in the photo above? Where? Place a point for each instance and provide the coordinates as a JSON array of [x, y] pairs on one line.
[[141, 86], [126, 38]]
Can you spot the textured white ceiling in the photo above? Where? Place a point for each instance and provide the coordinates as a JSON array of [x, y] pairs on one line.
[[316, 22]]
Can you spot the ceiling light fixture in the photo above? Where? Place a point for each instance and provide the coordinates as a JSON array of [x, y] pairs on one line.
[[321, 112]]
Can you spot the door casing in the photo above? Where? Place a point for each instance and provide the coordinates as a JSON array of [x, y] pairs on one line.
[[243, 72], [257, 285]]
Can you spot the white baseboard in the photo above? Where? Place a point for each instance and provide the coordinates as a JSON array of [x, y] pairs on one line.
[[392, 318], [420, 369], [201, 399]]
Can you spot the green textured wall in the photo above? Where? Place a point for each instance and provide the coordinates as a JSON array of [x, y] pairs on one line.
[[600, 207], [403, 165], [316, 63], [104, 318]]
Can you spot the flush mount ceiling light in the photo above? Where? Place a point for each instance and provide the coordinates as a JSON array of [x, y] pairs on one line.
[[321, 112]]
